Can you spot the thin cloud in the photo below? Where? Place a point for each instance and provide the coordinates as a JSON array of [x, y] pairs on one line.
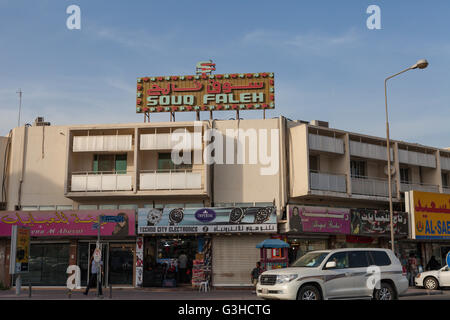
[[309, 41], [136, 40]]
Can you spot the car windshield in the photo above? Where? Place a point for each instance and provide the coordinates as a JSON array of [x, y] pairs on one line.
[[310, 260]]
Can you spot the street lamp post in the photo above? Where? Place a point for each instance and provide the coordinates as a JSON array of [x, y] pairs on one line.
[[421, 64]]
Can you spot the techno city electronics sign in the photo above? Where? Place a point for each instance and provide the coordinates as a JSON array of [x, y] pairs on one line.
[[430, 214], [244, 91], [207, 220]]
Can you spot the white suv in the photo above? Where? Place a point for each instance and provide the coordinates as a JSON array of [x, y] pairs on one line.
[[337, 274]]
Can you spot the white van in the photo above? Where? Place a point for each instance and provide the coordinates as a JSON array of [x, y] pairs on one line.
[[337, 274]]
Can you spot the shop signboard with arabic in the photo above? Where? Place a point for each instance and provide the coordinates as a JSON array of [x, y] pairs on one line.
[[318, 219], [20, 249], [245, 91], [68, 223], [429, 214], [377, 222], [207, 220]]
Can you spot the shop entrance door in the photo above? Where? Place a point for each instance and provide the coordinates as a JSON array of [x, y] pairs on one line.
[[120, 264]]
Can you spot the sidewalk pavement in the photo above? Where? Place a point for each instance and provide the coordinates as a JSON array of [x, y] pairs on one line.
[[183, 293]]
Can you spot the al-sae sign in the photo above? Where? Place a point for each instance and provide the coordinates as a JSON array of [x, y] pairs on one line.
[[249, 91], [430, 214]]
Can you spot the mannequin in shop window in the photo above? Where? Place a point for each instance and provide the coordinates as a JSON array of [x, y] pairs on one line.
[[182, 267]]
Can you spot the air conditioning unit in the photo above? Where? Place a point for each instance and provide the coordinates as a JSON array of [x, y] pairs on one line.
[[39, 122], [319, 123]]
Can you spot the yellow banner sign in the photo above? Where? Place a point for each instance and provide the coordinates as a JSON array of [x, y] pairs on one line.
[[431, 215], [23, 245], [226, 92]]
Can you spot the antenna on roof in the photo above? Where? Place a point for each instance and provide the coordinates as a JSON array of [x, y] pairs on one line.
[[20, 105]]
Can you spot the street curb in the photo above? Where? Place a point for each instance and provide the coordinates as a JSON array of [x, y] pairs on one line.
[[425, 293]]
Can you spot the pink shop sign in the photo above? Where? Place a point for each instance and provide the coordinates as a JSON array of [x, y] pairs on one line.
[[67, 223]]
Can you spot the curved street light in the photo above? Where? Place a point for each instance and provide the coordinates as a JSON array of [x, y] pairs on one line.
[[420, 64]]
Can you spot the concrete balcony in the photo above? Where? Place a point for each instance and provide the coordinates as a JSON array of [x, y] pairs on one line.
[[101, 182], [446, 190], [328, 182], [372, 186], [445, 163], [171, 180], [102, 143], [418, 187], [367, 150], [167, 141], [326, 144], [417, 158]]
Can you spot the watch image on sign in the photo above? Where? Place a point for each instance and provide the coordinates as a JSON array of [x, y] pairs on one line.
[[226, 92], [176, 216]]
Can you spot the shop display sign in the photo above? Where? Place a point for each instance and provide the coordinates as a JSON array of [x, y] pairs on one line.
[[68, 223], [20, 249], [429, 214], [139, 261], [207, 220], [378, 222], [318, 219], [237, 91]]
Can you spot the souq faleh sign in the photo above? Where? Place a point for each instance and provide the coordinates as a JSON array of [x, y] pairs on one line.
[[430, 214], [244, 91], [207, 220]]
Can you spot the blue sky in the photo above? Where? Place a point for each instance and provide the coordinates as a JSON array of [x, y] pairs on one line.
[[328, 65]]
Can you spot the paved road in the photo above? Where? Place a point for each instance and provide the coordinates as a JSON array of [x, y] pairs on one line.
[[179, 294]]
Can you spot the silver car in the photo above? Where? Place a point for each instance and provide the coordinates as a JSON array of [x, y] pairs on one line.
[[337, 274]]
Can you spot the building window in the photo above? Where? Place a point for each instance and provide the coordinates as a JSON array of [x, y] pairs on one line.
[[87, 207], [404, 175], [314, 163], [30, 208], [64, 208], [358, 169], [128, 206], [445, 180], [108, 207], [110, 163], [165, 163], [47, 208]]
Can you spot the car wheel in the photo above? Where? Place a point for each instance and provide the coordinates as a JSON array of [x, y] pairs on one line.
[[430, 283], [308, 293], [386, 292]]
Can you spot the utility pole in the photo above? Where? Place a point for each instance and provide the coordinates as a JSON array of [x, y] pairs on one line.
[[20, 105]]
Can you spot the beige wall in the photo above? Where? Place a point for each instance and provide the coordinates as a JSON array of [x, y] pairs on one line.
[[244, 182], [40, 179], [298, 159], [3, 145]]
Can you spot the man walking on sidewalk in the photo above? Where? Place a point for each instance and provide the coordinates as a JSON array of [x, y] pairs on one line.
[[93, 279]]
